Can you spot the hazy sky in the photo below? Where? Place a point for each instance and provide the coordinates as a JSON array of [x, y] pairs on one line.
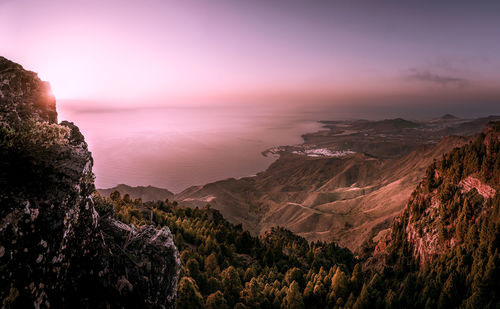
[[200, 52]]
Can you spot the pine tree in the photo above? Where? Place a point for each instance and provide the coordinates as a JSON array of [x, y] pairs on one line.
[[293, 299], [216, 301], [188, 295], [339, 284], [232, 285]]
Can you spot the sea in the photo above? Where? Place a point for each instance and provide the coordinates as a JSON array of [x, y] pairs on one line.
[[176, 147]]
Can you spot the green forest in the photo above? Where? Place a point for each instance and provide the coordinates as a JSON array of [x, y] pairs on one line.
[[224, 266]]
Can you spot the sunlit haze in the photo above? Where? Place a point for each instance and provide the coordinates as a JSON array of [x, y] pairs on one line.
[[200, 52]]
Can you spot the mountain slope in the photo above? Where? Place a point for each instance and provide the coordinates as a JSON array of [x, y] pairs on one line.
[[446, 241], [346, 199]]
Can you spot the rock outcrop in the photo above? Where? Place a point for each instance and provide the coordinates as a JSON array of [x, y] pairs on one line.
[[55, 249]]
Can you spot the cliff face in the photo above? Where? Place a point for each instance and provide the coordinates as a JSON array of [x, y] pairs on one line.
[[55, 249]]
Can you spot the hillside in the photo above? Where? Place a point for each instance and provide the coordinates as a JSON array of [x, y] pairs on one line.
[[445, 244], [223, 266], [337, 194]]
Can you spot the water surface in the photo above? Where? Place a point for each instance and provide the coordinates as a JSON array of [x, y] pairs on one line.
[[177, 147]]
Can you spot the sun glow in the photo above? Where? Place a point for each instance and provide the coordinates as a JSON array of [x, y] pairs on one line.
[[61, 89], [67, 79], [179, 52]]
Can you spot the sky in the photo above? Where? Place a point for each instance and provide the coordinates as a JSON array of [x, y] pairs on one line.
[[366, 53]]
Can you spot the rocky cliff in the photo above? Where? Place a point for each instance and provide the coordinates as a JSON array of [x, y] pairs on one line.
[[443, 250], [56, 250], [458, 193]]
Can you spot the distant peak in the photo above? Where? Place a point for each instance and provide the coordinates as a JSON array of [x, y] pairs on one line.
[[122, 185], [448, 116]]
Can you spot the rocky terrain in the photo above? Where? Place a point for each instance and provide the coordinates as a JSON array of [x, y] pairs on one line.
[[442, 251], [56, 248], [452, 194]]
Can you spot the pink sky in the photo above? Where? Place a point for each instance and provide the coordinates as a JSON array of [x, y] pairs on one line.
[[181, 52]]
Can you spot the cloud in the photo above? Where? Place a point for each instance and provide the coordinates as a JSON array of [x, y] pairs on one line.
[[430, 77]]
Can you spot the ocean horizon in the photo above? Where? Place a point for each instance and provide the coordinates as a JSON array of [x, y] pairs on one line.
[[178, 147]]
